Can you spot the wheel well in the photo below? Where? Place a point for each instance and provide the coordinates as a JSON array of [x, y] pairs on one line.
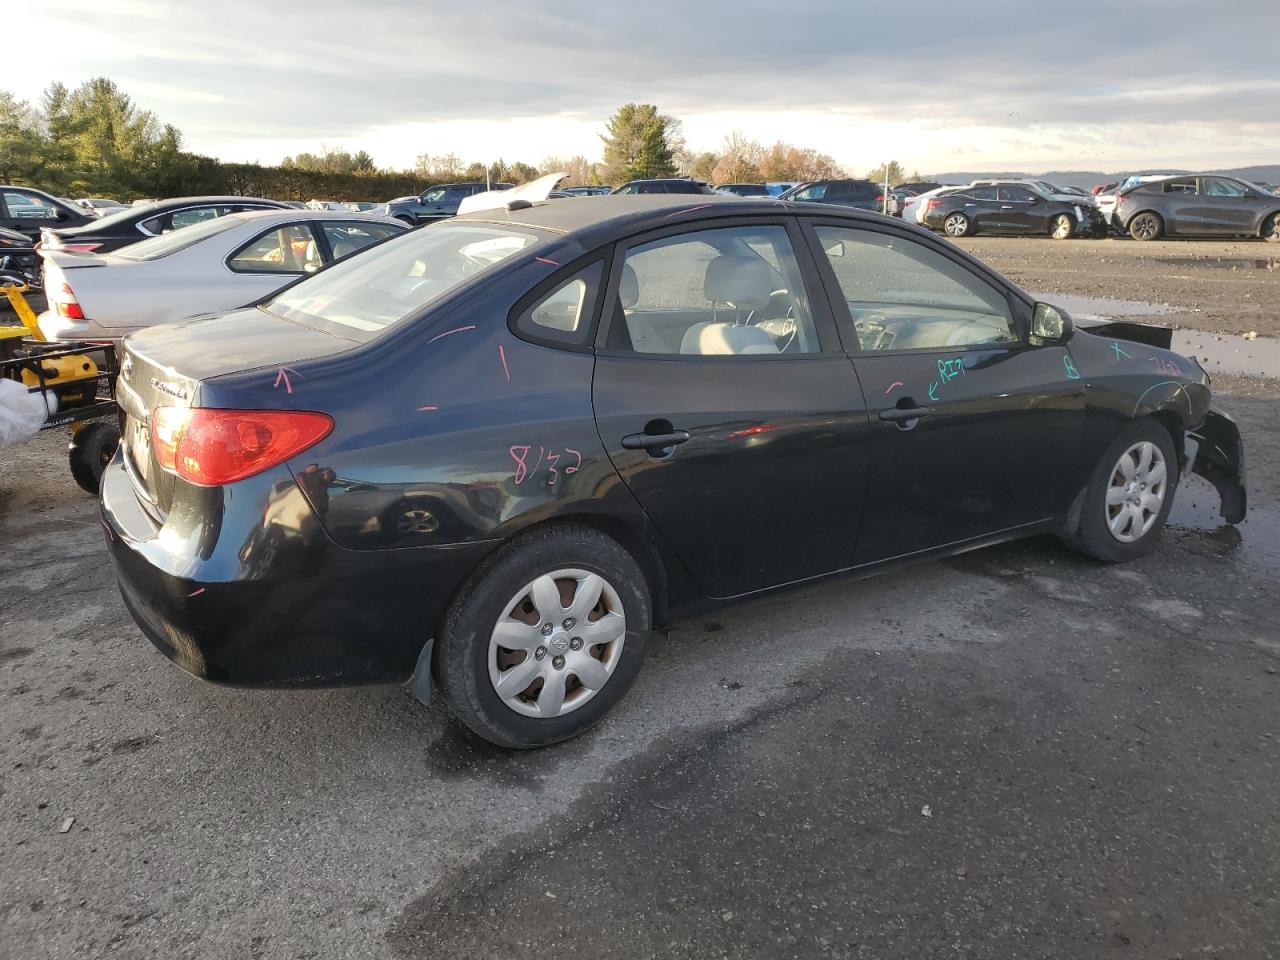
[[631, 540], [1177, 432], [1135, 216], [1262, 221]]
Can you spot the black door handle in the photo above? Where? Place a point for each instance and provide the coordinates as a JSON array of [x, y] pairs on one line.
[[901, 414], [648, 441]]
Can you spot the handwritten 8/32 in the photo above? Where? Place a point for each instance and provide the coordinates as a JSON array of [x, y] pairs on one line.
[[520, 454]]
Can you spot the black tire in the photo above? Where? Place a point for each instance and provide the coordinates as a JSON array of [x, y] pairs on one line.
[[1271, 228], [1146, 226], [1062, 227], [957, 225], [91, 449], [462, 653], [1093, 536]]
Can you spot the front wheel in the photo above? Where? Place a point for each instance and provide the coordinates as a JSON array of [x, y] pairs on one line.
[[1271, 229], [1129, 495], [1061, 227], [1146, 226], [545, 638], [956, 225]]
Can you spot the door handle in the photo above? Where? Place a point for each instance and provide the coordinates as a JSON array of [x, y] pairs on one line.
[[648, 441], [903, 414], [1006, 208]]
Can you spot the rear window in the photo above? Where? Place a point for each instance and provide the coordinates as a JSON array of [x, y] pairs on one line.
[[371, 292], [166, 243]]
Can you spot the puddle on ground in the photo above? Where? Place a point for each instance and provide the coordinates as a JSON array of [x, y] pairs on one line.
[[1196, 523], [1225, 263], [1108, 307], [1230, 353]]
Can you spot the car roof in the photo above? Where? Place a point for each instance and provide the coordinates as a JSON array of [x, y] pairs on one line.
[[293, 214], [597, 220]]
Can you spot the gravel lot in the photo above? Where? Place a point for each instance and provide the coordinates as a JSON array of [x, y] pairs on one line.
[[1015, 753]]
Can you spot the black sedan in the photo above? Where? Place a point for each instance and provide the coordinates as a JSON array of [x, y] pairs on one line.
[[1197, 206], [1006, 208], [494, 454], [27, 211], [150, 220]]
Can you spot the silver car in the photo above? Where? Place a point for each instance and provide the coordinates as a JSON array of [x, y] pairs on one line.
[[216, 265]]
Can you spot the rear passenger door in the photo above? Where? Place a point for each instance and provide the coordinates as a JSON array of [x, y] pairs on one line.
[[727, 406], [974, 430]]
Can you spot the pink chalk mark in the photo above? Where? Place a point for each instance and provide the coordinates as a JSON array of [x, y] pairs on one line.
[[195, 593], [896, 383], [547, 260], [428, 408], [505, 369], [449, 333], [574, 469], [283, 374], [676, 213]]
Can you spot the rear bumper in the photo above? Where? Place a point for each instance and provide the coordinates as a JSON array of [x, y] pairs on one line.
[[1219, 458], [276, 603]]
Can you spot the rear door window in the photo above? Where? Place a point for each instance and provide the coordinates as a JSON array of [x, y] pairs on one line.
[[1185, 185], [288, 249]]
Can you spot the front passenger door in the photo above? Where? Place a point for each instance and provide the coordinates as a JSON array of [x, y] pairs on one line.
[[974, 431]]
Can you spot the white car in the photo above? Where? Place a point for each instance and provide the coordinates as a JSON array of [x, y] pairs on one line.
[[218, 264], [101, 207]]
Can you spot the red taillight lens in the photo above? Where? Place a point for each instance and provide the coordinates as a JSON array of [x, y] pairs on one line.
[[81, 247], [65, 302], [933, 204], [212, 447]]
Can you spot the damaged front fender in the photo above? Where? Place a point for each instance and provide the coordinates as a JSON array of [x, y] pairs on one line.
[[1216, 452]]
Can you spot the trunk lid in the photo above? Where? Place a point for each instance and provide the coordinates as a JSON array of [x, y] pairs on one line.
[[167, 365]]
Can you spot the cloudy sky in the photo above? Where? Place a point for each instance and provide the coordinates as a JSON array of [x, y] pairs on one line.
[[936, 84]]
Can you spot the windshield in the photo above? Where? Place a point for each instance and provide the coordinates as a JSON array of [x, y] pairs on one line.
[[371, 292], [156, 247]]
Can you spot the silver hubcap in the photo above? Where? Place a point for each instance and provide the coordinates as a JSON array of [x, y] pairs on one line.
[[1062, 227], [1146, 227], [955, 226], [557, 643], [1136, 491]]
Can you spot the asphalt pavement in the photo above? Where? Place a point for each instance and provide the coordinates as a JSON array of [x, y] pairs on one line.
[[1015, 753]]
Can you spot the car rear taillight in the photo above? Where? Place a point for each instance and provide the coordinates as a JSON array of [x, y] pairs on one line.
[[211, 447], [933, 204], [81, 247], [64, 301]]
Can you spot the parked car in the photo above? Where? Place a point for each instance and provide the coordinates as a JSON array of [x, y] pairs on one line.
[[860, 194], [1107, 197], [138, 223], [745, 189], [436, 203], [209, 267], [586, 191], [665, 185], [101, 207], [324, 205], [493, 456], [360, 206], [916, 206], [917, 187], [1209, 206], [28, 211], [1042, 187], [1004, 208], [778, 187]]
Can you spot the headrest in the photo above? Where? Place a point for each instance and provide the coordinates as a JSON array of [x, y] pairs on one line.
[[743, 281], [628, 287]]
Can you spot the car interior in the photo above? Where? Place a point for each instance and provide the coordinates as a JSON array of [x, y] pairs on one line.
[[717, 295]]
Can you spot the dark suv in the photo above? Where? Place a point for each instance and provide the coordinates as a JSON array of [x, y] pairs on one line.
[[862, 194], [1197, 206], [29, 211], [436, 203], [665, 185]]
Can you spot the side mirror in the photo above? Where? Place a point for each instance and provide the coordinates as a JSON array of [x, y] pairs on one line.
[[1049, 324], [60, 215], [1034, 200]]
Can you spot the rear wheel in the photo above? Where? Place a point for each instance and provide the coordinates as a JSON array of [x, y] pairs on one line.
[[956, 225], [1271, 229], [1146, 226], [91, 449], [1129, 495], [406, 220], [545, 638], [1061, 227]]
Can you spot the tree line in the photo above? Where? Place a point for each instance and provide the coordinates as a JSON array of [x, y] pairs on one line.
[[94, 140]]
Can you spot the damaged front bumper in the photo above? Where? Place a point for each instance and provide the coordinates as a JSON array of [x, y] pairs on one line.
[[1215, 451]]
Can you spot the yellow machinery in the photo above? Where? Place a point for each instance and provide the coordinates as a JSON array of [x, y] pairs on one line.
[[70, 377]]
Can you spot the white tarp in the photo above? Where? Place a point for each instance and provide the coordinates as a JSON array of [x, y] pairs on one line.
[[22, 413]]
